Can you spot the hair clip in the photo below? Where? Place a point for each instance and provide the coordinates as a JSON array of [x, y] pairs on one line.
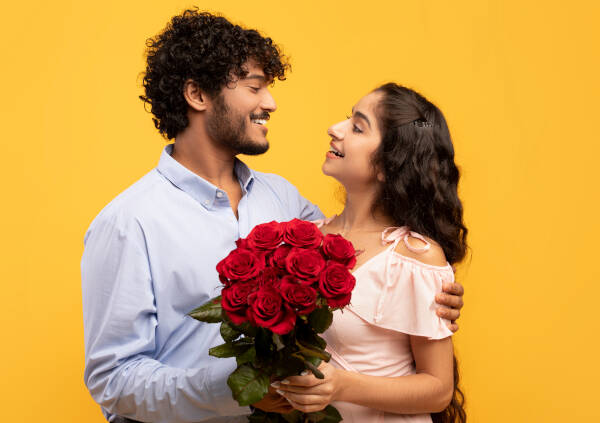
[[422, 123]]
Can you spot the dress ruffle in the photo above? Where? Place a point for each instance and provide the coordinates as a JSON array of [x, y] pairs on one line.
[[397, 292], [403, 297]]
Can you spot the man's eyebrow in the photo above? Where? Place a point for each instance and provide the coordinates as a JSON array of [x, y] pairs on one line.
[[256, 76], [361, 116]]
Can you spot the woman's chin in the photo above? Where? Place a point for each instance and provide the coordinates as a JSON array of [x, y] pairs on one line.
[[326, 169]]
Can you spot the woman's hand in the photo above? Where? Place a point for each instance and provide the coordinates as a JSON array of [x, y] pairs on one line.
[[307, 393]]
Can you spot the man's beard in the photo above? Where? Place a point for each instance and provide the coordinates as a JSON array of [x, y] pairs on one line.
[[230, 129]]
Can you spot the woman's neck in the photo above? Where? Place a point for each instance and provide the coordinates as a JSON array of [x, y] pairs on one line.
[[358, 214]]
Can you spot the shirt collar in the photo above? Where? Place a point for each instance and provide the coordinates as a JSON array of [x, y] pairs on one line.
[[198, 188]]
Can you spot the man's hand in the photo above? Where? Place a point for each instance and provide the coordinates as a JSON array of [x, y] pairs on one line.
[[274, 403], [451, 302]]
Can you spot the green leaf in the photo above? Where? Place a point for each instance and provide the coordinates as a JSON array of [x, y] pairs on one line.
[[247, 357], [293, 417], [320, 319], [248, 385], [224, 350], [231, 349], [247, 329], [228, 332], [329, 414], [209, 312], [259, 416]]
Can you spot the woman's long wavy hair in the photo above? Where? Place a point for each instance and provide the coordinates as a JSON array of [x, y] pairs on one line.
[[420, 187]]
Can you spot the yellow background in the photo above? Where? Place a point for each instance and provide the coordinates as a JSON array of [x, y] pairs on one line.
[[517, 80]]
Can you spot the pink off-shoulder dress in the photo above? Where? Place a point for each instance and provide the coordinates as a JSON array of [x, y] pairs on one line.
[[394, 297]]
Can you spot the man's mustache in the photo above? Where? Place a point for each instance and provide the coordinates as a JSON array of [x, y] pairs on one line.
[[264, 116]]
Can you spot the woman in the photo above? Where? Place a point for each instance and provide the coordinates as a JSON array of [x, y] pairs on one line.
[[392, 356]]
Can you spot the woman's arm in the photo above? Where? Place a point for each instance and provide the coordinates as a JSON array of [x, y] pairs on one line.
[[428, 391]]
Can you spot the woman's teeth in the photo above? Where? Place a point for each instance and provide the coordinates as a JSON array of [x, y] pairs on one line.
[[334, 151]]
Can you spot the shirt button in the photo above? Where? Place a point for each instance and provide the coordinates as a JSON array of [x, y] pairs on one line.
[[219, 194], [206, 202]]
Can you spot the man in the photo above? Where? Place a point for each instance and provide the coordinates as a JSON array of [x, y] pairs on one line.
[[150, 255]]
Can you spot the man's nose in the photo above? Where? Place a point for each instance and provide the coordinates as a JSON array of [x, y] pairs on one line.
[[268, 102]]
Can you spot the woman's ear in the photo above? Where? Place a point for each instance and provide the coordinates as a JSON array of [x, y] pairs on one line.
[[194, 96], [380, 177]]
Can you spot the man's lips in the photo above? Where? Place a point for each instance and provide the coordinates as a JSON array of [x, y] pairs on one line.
[[260, 121]]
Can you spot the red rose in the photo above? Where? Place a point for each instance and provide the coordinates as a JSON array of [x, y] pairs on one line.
[[269, 276], [268, 310], [242, 243], [305, 264], [239, 265], [336, 284], [266, 236], [303, 297], [234, 300], [277, 259], [301, 233], [338, 248]]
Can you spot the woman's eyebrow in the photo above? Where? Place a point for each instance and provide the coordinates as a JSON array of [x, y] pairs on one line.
[[362, 116]]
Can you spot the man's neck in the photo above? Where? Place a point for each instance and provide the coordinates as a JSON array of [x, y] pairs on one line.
[[199, 154]]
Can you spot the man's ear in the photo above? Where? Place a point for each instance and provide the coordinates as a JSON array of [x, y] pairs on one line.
[[195, 97]]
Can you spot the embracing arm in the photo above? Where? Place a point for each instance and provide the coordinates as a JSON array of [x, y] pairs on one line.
[[428, 391]]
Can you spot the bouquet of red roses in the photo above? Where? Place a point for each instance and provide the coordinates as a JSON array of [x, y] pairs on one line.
[[280, 287]]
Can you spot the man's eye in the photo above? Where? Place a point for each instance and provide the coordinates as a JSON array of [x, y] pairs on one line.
[[255, 89]]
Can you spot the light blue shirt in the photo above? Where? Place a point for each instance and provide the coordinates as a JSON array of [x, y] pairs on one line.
[[149, 259]]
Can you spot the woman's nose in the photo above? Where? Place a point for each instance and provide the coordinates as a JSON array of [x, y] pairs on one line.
[[336, 131]]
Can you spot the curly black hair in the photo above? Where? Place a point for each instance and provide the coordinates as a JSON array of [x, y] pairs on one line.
[[417, 157], [207, 49], [420, 188]]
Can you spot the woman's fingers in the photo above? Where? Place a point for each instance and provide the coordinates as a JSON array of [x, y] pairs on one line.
[[306, 403], [308, 380], [306, 408], [322, 390]]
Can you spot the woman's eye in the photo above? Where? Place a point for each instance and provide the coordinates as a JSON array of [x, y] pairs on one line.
[[255, 89], [356, 129]]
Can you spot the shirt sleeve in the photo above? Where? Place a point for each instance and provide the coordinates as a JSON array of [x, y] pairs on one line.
[[120, 318], [305, 209]]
